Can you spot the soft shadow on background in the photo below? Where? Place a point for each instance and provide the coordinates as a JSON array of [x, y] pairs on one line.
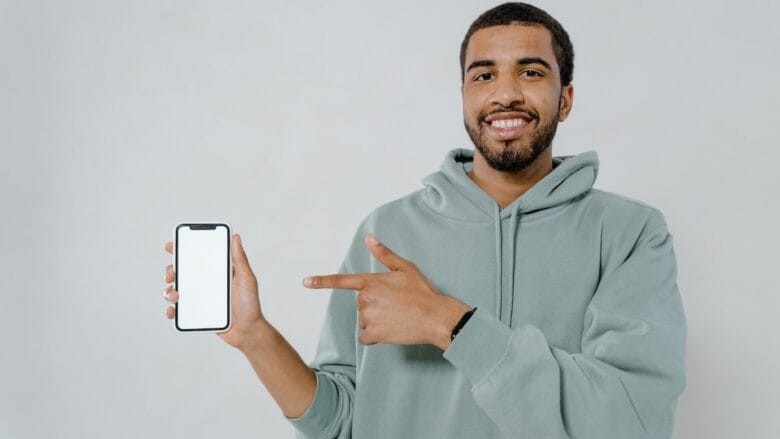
[[292, 121]]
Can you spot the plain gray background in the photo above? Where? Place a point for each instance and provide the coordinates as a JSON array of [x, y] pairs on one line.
[[292, 121]]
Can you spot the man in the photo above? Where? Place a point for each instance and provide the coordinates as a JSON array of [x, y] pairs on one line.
[[508, 298]]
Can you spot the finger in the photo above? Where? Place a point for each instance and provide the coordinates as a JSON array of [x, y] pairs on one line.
[[361, 322], [365, 338], [240, 261], [170, 312], [169, 274], [339, 281], [384, 255], [169, 247], [171, 295]]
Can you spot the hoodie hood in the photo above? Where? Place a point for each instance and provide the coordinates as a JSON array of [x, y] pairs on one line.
[[453, 194]]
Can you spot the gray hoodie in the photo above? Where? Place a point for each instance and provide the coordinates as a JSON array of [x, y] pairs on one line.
[[579, 331]]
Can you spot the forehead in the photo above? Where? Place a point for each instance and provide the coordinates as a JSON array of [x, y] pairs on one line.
[[509, 42]]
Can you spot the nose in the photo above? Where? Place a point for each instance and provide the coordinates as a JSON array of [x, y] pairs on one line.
[[507, 91]]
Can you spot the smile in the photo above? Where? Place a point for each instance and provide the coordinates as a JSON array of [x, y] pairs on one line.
[[505, 129], [507, 123]]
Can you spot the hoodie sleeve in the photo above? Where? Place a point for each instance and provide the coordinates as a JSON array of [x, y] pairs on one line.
[[625, 381], [329, 416], [330, 413]]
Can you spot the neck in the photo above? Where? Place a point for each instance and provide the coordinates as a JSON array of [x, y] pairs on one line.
[[506, 187]]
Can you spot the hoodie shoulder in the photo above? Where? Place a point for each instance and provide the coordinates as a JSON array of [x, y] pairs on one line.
[[624, 220], [613, 203], [391, 216], [396, 209]]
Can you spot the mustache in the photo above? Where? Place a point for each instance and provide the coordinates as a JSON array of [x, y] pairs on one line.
[[512, 109]]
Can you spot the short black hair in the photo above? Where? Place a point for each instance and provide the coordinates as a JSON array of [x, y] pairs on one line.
[[525, 14]]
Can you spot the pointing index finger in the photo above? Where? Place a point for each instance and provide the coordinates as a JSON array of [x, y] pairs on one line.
[[338, 281]]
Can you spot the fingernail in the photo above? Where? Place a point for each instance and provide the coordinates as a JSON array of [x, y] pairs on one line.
[[307, 281], [371, 239]]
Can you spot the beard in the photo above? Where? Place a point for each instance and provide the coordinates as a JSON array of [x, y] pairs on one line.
[[512, 155]]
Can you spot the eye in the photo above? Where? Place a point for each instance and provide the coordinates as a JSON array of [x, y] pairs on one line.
[[534, 72], [476, 78]]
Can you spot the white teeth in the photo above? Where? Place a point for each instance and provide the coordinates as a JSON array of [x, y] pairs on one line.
[[507, 123]]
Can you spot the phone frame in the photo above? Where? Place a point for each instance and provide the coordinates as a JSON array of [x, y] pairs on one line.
[[203, 224]]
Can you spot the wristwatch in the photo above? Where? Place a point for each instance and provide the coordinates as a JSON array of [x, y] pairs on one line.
[[462, 322]]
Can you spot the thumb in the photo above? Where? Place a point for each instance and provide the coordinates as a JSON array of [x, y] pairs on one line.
[[240, 261]]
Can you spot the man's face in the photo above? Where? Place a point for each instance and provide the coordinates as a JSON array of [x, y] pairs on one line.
[[512, 95]]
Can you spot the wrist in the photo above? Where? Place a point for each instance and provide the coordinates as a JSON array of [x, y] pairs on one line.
[[451, 313], [259, 335]]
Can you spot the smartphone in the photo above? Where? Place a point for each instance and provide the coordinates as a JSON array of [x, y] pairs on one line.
[[203, 271]]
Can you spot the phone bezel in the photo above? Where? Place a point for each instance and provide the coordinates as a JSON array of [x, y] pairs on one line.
[[176, 271]]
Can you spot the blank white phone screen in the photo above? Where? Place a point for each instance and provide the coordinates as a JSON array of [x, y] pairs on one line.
[[202, 278]]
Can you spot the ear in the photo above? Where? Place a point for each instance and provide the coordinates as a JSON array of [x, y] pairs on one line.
[[567, 100]]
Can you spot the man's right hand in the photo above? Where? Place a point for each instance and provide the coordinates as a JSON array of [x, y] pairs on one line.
[[288, 379], [246, 315]]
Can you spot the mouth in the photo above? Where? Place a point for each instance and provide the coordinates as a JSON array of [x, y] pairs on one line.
[[508, 125]]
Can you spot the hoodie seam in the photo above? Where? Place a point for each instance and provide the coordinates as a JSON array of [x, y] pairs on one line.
[[348, 266], [497, 364], [527, 218], [468, 196], [499, 238], [459, 220], [622, 197]]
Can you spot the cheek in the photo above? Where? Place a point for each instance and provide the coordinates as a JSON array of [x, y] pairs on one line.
[[544, 103], [471, 105], [471, 112], [466, 106]]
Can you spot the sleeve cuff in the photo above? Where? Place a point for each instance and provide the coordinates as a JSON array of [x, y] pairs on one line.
[[479, 346], [321, 411]]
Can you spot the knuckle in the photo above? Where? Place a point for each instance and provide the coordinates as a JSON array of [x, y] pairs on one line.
[[369, 283], [363, 320], [369, 315]]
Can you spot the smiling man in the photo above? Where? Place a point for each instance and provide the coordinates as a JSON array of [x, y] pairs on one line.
[[507, 298], [514, 95]]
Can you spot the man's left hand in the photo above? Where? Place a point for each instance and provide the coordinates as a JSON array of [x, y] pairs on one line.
[[399, 306]]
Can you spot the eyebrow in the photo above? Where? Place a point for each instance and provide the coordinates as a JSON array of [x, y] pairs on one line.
[[521, 61]]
